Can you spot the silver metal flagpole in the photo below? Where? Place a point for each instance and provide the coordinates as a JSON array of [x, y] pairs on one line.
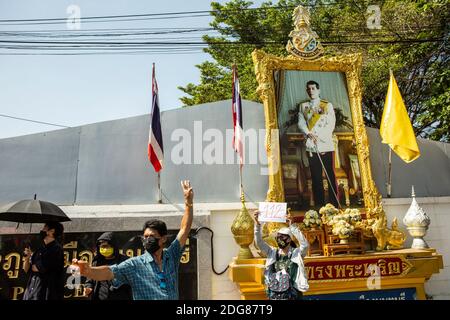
[[389, 184], [159, 188], [241, 189]]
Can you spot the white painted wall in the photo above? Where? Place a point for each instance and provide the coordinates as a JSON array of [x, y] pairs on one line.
[[438, 236], [225, 248]]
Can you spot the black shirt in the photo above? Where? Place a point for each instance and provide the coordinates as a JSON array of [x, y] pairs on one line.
[[48, 283], [104, 290]]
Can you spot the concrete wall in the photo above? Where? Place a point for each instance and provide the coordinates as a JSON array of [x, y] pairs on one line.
[[438, 236], [225, 248], [430, 173], [106, 163], [44, 164]]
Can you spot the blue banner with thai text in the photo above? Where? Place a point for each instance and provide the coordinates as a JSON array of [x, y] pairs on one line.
[[388, 294]]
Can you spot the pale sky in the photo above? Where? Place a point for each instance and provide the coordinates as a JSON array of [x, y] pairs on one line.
[[76, 90]]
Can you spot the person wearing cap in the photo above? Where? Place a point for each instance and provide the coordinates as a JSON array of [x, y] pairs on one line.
[[107, 254], [284, 276]]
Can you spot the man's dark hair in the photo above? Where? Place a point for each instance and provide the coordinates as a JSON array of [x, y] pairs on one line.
[[58, 227], [311, 82], [157, 225]]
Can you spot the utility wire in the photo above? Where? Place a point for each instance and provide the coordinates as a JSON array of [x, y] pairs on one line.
[[161, 47], [167, 15], [156, 31], [29, 120], [99, 43]]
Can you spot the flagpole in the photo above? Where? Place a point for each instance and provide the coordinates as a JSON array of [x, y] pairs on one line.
[[395, 117], [155, 144], [389, 184], [159, 188], [241, 186], [242, 226]]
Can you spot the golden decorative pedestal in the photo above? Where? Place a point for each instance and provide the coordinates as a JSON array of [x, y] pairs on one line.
[[406, 268], [248, 274]]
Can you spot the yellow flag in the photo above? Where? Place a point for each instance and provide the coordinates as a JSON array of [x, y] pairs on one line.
[[396, 129]]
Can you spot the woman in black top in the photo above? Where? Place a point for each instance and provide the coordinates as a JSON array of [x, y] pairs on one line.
[[107, 254], [46, 266]]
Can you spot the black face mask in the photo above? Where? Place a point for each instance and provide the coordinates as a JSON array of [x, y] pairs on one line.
[[283, 243], [150, 244], [42, 234]]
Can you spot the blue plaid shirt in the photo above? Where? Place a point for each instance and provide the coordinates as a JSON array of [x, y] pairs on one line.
[[143, 274]]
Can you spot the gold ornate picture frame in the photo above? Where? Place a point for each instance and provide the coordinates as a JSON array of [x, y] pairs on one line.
[[266, 65]]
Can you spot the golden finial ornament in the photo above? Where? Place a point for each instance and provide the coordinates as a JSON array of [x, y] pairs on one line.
[[242, 229]]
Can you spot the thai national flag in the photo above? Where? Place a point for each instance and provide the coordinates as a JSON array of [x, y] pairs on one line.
[[155, 142], [238, 135]]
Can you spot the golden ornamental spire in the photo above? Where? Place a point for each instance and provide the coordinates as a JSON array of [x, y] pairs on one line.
[[242, 229]]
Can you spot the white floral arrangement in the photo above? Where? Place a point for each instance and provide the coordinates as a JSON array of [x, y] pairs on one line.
[[354, 216], [342, 228], [328, 212], [311, 219], [342, 222]]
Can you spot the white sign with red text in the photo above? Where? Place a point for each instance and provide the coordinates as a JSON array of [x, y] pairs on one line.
[[272, 211]]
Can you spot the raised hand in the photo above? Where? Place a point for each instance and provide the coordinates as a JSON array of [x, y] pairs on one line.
[[82, 265], [87, 292], [256, 216], [187, 192]]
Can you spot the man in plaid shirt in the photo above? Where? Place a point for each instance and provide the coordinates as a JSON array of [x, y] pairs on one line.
[[153, 275]]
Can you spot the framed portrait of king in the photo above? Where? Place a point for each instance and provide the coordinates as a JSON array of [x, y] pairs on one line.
[[316, 140]]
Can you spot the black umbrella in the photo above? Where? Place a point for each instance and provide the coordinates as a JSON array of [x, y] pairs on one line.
[[32, 211]]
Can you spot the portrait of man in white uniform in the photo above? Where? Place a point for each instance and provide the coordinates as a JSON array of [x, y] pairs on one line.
[[317, 120], [317, 142]]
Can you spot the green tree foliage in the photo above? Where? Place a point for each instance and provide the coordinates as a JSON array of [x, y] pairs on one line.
[[412, 41]]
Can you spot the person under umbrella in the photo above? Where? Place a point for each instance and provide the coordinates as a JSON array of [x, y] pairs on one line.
[[45, 266], [107, 254]]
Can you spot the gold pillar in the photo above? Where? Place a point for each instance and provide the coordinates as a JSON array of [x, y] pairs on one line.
[[242, 229]]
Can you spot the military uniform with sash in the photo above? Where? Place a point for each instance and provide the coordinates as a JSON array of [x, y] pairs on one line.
[[317, 117]]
